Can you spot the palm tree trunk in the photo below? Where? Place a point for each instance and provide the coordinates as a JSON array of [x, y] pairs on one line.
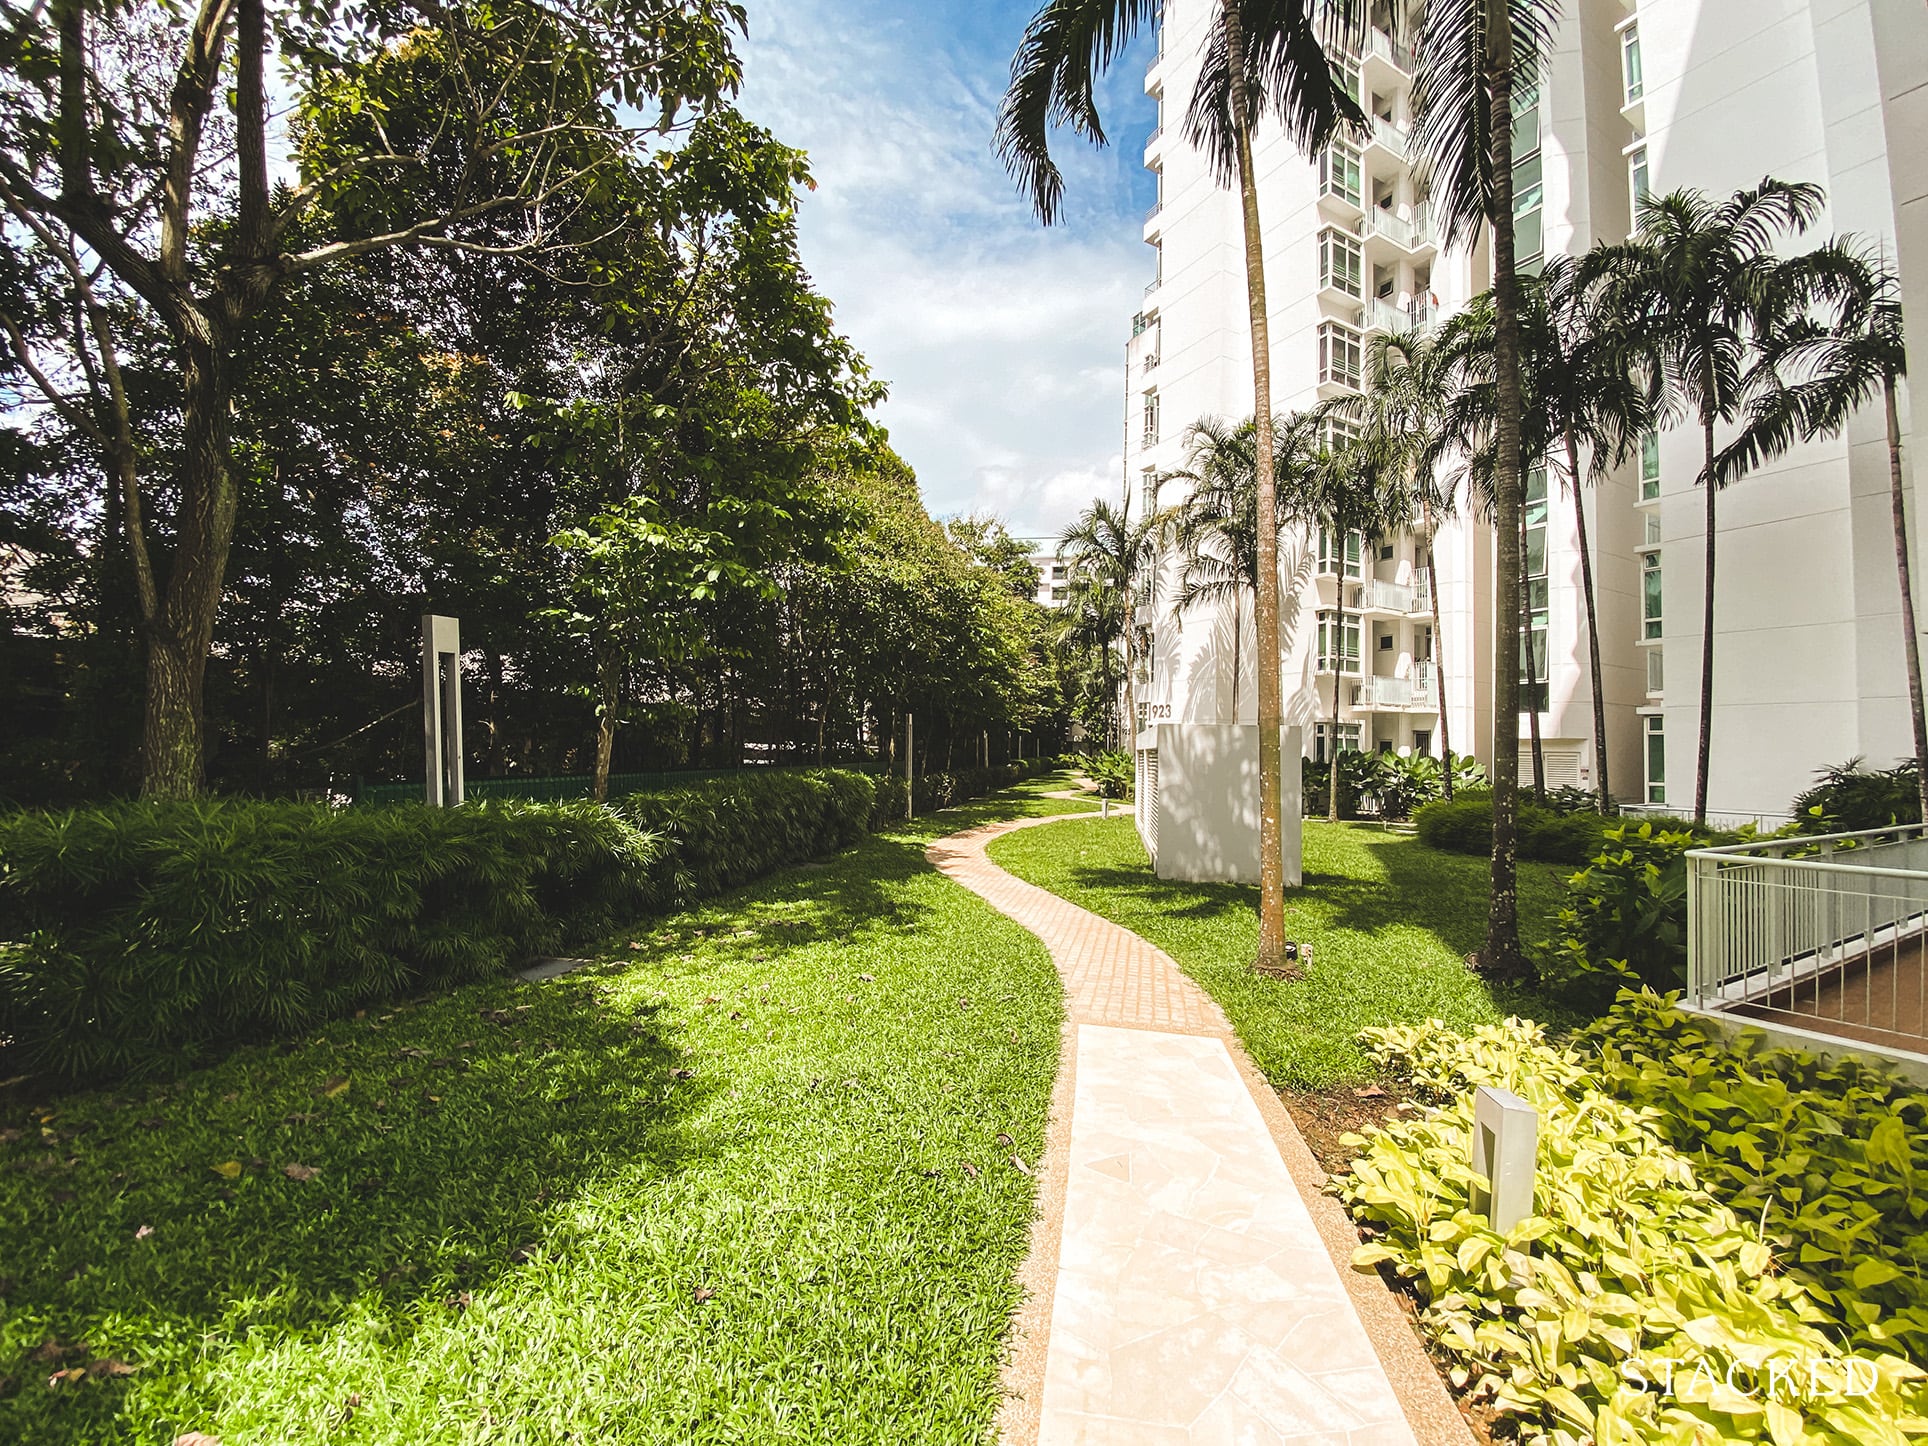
[[1338, 682], [1271, 712], [609, 681], [1705, 751], [1531, 679], [1593, 624], [1502, 957], [1439, 666], [1911, 641]]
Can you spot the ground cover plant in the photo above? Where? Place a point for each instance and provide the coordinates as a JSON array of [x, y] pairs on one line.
[[1644, 1299], [759, 1174], [1390, 923], [1546, 833]]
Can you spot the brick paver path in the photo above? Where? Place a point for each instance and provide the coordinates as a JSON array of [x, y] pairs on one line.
[[1184, 1292]]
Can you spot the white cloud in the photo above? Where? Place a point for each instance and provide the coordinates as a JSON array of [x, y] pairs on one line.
[[1002, 342]]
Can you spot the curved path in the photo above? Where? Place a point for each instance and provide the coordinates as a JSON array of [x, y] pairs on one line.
[[1187, 1279]]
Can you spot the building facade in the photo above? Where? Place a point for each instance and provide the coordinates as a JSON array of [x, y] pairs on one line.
[[1639, 96]]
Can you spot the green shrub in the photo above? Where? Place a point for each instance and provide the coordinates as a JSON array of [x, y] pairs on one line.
[[1830, 1153], [1465, 826], [1847, 798], [1396, 784], [1115, 773], [1630, 1260], [141, 933], [1627, 915]]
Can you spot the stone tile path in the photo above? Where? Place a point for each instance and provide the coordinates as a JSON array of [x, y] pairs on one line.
[[1182, 1292]]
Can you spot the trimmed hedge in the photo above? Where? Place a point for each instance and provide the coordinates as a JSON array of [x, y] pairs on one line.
[[139, 936], [1465, 826]]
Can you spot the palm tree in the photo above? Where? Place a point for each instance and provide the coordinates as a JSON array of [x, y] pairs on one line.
[[1261, 57], [1355, 487], [1107, 554], [1409, 379], [1835, 368], [1703, 289], [1469, 55], [1216, 527]]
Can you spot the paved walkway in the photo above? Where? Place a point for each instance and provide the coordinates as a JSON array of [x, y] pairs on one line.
[[1180, 1289]]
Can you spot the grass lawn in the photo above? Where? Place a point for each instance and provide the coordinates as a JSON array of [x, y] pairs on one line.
[[747, 1180], [1390, 922]]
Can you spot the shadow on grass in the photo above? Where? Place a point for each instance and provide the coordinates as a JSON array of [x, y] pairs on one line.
[[143, 1225]]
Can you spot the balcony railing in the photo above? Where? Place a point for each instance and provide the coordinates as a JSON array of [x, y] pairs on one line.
[[1156, 132], [1422, 590], [1388, 136], [1384, 47], [1374, 596], [1152, 214], [1151, 362], [1378, 314], [1403, 695], [1407, 235], [1153, 284]]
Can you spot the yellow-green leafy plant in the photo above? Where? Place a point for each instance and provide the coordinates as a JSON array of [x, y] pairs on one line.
[[1632, 1305]]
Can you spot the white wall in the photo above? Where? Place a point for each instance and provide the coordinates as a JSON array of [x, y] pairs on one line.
[[1207, 828]]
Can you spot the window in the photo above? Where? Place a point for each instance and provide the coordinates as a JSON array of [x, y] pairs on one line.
[[1650, 467], [1656, 759], [1321, 732], [1385, 642], [1341, 356], [1348, 641], [1650, 595], [1148, 490], [1637, 184], [1650, 531], [1529, 242], [1140, 324], [1341, 263], [1630, 64], [1423, 644], [1338, 433], [1151, 418], [1534, 688], [1339, 173], [1423, 742], [1656, 672], [1329, 552]]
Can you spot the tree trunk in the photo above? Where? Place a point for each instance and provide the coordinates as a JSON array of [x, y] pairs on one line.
[[172, 750], [1338, 682], [1438, 660], [1265, 609], [1704, 752], [1911, 640], [608, 680], [1531, 680], [1593, 626], [1502, 957]]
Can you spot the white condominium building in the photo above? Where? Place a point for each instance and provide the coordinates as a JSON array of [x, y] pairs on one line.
[[1640, 96]]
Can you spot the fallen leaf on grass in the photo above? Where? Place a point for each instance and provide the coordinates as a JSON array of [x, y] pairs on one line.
[[144, 1232], [47, 1352], [303, 1119], [300, 1172], [970, 1169], [1370, 1092], [963, 1004], [62, 1378], [868, 978], [110, 1367], [336, 1088], [1023, 1169], [461, 1301], [1004, 1139], [522, 1254], [682, 1074], [702, 1293], [227, 1169]]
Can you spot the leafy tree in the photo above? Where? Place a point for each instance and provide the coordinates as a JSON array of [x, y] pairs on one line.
[[1109, 557], [134, 162], [1470, 56], [1261, 58], [1704, 291], [988, 543]]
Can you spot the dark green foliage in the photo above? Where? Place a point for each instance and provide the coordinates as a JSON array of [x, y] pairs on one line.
[[147, 932], [1827, 1153], [1385, 785], [1466, 826], [143, 935], [1847, 797], [1113, 772]]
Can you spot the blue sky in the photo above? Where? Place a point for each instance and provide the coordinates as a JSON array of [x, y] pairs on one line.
[[1002, 342]]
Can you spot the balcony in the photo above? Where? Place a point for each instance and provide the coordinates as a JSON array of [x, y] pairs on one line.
[[1374, 596], [1153, 285], [1157, 208], [1388, 137], [1416, 694], [1150, 363], [1422, 590], [1383, 49], [1381, 224]]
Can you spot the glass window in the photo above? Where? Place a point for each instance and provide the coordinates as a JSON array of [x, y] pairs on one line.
[[1637, 183], [1148, 486], [1529, 242], [1650, 467], [1534, 690], [1151, 418], [1656, 760], [1329, 552], [1650, 595], [1656, 671], [1630, 63], [1321, 732], [1339, 173], [1341, 356], [1341, 263], [1348, 640]]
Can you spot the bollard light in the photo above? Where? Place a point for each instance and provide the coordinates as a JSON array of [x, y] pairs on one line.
[[1506, 1137]]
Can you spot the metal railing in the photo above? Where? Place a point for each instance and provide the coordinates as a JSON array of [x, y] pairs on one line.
[[1402, 694], [1382, 45], [1388, 136], [1152, 214], [1831, 930], [1408, 235], [1382, 597], [1422, 590]]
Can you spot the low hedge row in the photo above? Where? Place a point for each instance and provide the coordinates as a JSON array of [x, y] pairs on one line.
[[1465, 826], [137, 936]]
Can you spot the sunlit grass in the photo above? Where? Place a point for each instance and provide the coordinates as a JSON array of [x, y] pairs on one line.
[[1390, 923], [741, 1181]]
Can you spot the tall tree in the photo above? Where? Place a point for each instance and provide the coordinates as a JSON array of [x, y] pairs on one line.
[[1704, 289], [135, 155], [1109, 556], [1470, 54], [1262, 57], [1825, 371], [1410, 381]]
